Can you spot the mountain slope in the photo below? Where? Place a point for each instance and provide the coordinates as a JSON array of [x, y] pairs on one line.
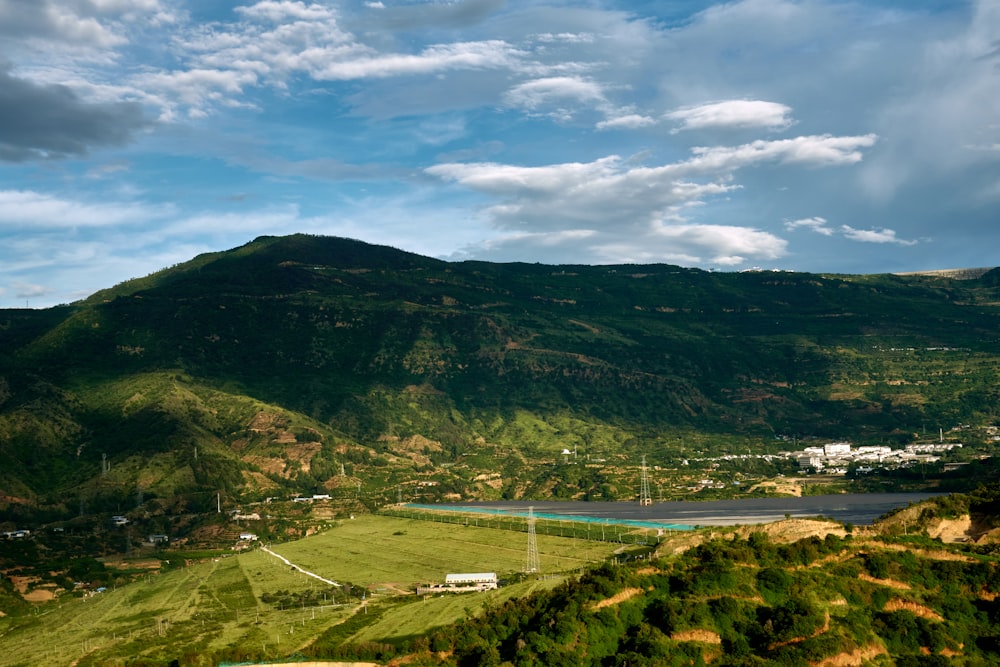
[[357, 348]]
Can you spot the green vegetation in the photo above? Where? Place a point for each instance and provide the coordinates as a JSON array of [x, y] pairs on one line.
[[726, 600], [321, 366], [268, 369], [253, 605], [749, 602], [720, 599]]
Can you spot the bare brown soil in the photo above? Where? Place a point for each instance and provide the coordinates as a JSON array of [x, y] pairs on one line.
[[704, 636], [952, 530], [617, 598], [898, 604], [302, 453], [793, 530], [891, 583], [855, 658], [787, 487], [267, 464]]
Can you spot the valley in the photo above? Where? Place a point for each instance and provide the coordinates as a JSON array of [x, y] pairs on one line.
[[298, 391]]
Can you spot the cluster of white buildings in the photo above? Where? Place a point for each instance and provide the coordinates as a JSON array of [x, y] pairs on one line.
[[835, 457]]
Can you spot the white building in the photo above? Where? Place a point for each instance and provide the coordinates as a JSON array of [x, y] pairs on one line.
[[462, 583], [837, 449], [810, 461], [488, 579]]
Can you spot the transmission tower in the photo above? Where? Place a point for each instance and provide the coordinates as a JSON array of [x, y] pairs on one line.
[[644, 497], [532, 564]]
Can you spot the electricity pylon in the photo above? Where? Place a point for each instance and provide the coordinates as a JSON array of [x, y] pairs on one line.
[[644, 497], [532, 564]]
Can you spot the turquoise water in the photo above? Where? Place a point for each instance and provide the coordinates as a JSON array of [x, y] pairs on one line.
[[858, 508], [579, 518]]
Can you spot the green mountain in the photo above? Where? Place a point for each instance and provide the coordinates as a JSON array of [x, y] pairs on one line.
[[321, 365]]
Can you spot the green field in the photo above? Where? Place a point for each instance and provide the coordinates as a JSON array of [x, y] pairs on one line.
[[253, 606]]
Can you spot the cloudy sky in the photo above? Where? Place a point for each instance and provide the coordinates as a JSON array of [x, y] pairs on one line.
[[810, 135]]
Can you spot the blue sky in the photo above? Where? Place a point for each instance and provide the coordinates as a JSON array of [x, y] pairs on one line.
[[809, 135]]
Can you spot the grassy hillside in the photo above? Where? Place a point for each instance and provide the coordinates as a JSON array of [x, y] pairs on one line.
[[231, 606], [264, 369], [732, 596]]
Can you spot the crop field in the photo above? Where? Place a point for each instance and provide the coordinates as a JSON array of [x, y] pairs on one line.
[[412, 551], [254, 606]]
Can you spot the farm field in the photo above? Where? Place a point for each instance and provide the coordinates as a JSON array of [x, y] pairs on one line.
[[254, 606], [412, 551]]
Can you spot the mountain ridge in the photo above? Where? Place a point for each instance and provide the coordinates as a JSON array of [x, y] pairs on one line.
[[360, 344]]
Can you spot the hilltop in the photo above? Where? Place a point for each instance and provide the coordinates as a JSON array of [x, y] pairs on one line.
[[325, 365]]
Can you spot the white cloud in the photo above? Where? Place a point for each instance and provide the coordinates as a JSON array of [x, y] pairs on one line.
[[277, 12], [611, 195], [821, 226], [612, 190], [566, 37], [823, 150], [815, 224], [55, 22], [30, 290], [684, 244], [726, 245], [626, 122], [533, 94], [562, 97], [196, 87], [437, 58], [733, 114], [874, 236], [25, 208], [605, 192]]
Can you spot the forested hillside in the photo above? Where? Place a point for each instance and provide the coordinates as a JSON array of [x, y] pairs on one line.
[[311, 364], [752, 602]]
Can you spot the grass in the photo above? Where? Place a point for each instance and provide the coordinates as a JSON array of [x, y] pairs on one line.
[[427, 613], [412, 551], [219, 604]]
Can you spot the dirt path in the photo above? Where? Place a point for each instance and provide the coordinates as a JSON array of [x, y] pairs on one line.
[[296, 567]]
